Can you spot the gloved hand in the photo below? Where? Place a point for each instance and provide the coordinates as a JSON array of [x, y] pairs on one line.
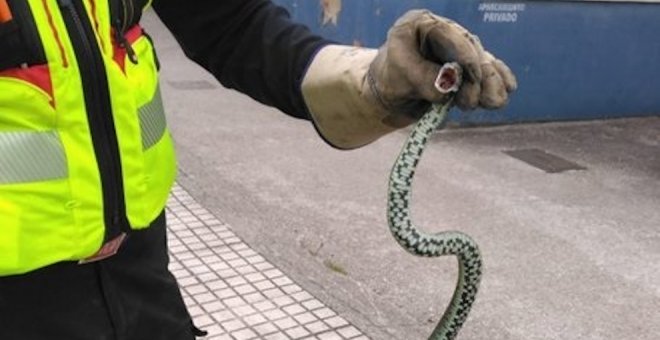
[[406, 66], [356, 95]]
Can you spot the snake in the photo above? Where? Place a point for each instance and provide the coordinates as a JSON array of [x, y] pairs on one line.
[[420, 243]]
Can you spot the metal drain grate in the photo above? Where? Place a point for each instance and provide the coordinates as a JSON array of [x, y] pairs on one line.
[[544, 160]]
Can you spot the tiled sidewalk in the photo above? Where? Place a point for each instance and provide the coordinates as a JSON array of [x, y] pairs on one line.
[[233, 292]]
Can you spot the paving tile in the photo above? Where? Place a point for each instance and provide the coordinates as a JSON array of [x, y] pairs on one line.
[[284, 301], [254, 319], [264, 306], [223, 315], [336, 322], [233, 292], [207, 277], [312, 304], [293, 309], [244, 334], [349, 332], [274, 314], [265, 328], [305, 318], [277, 336], [330, 336], [297, 332], [317, 327], [213, 306], [324, 313]]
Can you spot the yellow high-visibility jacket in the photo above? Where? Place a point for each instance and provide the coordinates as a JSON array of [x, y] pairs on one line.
[[85, 153]]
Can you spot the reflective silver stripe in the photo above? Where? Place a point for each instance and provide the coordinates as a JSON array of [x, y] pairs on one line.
[[152, 121], [31, 157]]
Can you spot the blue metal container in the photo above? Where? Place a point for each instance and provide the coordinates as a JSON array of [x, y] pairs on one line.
[[574, 60]]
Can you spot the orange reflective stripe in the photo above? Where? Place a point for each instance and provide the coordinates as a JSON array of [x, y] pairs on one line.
[[92, 8], [56, 35]]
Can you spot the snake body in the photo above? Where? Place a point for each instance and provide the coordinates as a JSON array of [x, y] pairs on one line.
[[432, 245]]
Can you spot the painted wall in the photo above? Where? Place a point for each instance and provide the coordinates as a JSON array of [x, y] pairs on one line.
[[574, 60]]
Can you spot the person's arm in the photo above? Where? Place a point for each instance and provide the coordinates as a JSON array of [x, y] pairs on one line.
[[248, 45], [352, 95]]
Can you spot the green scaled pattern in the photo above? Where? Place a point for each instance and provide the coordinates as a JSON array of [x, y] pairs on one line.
[[419, 243]]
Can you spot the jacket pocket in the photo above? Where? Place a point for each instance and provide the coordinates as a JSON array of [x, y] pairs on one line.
[[21, 38], [26, 99], [142, 73]]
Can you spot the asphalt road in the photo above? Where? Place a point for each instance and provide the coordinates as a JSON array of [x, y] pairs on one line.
[[571, 255]]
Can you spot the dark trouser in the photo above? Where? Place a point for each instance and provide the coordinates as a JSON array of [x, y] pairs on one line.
[[130, 296]]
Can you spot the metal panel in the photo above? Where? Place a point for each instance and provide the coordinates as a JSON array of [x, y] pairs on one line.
[[574, 60]]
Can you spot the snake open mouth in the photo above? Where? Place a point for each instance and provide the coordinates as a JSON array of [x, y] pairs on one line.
[[449, 78]]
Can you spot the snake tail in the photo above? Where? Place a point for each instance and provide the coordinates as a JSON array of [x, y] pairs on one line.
[[419, 243]]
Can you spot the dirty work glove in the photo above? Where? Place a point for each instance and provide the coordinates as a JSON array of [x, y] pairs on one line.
[[356, 95]]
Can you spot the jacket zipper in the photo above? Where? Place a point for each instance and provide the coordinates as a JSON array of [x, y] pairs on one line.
[[127, 11], [99, 115], [119, 21], [122, 42]]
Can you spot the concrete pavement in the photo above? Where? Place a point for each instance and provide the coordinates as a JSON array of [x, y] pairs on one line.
[[571, 255]]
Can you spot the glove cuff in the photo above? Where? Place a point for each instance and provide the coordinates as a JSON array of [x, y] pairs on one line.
[[343, 108]]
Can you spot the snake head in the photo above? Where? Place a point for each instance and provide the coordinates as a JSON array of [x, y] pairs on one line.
[[449, 78]]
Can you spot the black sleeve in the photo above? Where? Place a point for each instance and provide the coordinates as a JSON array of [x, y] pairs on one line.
[[248, 45]]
